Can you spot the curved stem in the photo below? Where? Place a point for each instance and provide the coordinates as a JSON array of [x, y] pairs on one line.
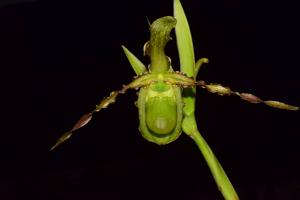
[[215, 167], [189, 126]]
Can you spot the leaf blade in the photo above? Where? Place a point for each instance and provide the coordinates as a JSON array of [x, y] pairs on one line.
[[184, 41]]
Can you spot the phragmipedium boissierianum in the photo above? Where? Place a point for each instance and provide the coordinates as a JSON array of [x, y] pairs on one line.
[[166, 97]]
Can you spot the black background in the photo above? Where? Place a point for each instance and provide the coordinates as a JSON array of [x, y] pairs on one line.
[[59, 58]]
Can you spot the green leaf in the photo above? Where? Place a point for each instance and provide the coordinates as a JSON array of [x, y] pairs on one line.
[[184, 41], [138, 67]]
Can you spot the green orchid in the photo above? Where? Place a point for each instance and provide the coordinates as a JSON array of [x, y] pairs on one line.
[[166, 97]]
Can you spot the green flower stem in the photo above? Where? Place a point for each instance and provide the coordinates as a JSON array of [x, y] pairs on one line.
[[215, 167], [218, 173], [189, 126]]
